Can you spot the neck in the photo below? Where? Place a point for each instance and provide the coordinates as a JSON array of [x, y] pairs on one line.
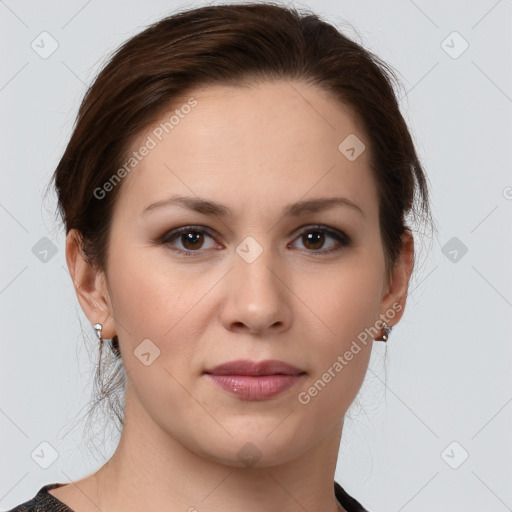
[[150, 469]]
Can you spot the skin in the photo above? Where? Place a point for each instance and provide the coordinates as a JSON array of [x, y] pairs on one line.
[[254, 150]]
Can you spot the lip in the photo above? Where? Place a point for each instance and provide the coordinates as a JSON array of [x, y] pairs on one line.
[[250, 380], [253, 368]]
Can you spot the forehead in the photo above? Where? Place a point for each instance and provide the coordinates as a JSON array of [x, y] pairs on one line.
[[273, 142]]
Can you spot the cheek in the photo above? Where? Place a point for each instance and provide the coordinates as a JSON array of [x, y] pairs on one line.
[[149, 298], [154, 313], [344, 300], [156, 300], [346, 306]]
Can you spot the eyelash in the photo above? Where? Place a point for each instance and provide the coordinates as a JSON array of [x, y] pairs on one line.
[[342, 239]]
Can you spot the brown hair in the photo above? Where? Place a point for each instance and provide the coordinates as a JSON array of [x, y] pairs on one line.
[[238, 45]]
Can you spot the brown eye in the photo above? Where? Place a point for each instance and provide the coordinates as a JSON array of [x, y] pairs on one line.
[[315, 237], [192, 239], [314, 240]]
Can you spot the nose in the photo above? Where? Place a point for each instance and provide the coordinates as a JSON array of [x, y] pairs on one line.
[[256, 298]]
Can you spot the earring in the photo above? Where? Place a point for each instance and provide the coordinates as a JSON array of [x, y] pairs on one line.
[[385, 335], [114, 342], [98, 328]]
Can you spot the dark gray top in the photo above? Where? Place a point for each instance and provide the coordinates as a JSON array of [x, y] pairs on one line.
[[43, 501]]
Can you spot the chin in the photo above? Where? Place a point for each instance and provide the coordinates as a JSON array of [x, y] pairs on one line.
[[256, 446]]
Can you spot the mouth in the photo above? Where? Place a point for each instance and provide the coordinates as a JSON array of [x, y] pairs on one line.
[[249, 380]]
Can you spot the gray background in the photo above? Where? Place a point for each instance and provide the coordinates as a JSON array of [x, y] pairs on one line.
[[440, 391]]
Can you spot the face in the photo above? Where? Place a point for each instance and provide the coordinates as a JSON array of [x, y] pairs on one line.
[[260, 270]]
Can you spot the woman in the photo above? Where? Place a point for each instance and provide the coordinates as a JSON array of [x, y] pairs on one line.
[[235, 194]]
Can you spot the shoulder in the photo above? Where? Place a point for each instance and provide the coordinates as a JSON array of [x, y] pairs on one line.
[[43, 501], [349, 503]]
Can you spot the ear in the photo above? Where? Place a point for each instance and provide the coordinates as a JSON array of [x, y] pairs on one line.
[[90, 285], [393, 301]]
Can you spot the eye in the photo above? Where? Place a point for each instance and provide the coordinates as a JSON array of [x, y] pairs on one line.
[[314, 238], [192, 239]]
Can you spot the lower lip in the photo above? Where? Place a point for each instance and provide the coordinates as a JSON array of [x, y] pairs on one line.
[[250, 387]]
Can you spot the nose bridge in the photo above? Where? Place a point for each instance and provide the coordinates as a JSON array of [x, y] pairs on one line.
[[253, 265], [256, 295]]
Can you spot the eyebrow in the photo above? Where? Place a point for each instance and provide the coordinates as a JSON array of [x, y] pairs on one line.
[[213, 208]]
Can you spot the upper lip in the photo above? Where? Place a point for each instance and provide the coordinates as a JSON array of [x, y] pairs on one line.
[[246, 367]]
